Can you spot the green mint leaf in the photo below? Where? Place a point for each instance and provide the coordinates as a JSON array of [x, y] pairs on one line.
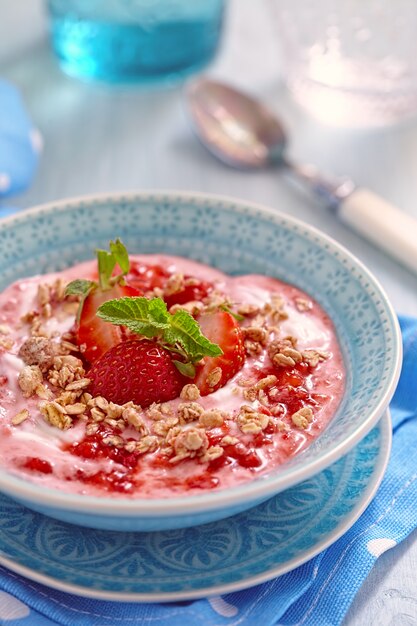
[[149, 318], [79, 287], [186, 369], [185, 331], [107, 262], [120, 255], [106, 265], [82, 288]]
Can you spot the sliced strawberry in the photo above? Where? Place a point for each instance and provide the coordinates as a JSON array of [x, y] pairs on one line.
[[140, 371], [94, 335], [221, 328]]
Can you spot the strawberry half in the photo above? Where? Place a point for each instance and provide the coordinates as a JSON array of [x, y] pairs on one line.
[[94, 335], [221, 328], [140, 371]]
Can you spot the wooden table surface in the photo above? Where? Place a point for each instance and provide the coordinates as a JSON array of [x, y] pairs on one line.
[[101, 139]]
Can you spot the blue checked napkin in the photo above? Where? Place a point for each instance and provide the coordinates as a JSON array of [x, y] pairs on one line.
[[307, 596], [20, 144]]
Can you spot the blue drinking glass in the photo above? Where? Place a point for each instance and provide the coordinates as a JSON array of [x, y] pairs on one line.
[[135, 40]]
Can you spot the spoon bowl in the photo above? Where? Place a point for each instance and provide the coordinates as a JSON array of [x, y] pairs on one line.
[[237, 129]]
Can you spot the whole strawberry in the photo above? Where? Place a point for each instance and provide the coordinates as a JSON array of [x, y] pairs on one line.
[[140, 371]]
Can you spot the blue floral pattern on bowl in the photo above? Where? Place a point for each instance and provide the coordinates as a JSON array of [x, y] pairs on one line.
[[227, 555]]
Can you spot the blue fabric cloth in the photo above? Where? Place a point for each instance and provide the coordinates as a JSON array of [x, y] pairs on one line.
[[20, 144], [316, 594]]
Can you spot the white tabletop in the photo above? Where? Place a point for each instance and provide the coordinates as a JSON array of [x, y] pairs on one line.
[[100, 139]]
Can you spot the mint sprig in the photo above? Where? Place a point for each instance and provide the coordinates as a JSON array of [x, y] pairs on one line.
[[121, 255], [178, 333], [106, 264], [106, 261]]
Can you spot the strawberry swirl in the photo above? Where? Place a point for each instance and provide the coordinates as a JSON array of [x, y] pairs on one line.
[[196, 381]]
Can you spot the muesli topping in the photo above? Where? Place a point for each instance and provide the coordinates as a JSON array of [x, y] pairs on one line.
[[237, 388]]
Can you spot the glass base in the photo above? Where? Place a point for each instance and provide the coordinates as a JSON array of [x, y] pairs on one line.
[[349, 108], [121, 53]]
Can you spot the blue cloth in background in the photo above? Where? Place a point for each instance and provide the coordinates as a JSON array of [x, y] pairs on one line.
[[318, 593], [20, 144]]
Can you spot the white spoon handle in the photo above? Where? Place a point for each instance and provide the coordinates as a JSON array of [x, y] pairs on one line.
[[382, 223]]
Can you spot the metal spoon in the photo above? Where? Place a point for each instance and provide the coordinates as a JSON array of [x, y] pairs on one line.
[[243, 133]]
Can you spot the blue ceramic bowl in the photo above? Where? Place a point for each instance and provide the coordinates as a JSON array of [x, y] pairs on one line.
[[238, 238]]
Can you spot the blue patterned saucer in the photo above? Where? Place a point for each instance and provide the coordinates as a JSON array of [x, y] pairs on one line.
[[216, 558]]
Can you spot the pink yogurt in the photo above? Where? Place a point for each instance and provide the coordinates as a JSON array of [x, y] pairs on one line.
[[153, 478]]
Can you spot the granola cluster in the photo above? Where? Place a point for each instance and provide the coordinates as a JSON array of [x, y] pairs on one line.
[[55, 373]]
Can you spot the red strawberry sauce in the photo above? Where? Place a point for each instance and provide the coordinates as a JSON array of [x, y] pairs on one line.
[[73, 461]]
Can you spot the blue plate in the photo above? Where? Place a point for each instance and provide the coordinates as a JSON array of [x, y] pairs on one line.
[[212, 559]]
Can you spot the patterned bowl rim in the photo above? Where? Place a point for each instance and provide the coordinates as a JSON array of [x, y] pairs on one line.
[[261, 487]]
